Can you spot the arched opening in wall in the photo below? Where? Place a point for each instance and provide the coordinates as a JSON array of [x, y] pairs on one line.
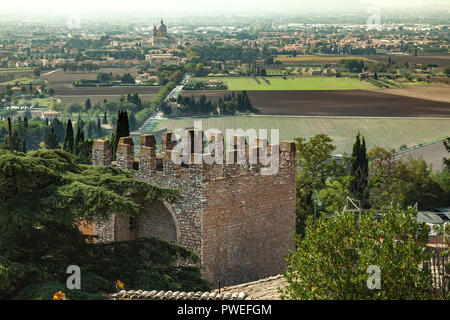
[[157, 221]]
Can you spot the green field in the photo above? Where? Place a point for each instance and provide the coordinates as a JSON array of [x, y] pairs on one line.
[[385, 132], [293, 83], [43, 102]]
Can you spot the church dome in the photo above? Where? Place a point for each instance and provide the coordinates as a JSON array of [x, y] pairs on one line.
[[162, 27]]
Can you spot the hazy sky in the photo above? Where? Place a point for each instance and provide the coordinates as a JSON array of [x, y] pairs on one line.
[[198, 6]]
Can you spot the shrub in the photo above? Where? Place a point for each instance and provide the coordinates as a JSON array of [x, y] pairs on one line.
[[332, 259]]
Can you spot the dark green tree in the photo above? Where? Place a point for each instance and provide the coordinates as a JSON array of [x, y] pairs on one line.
[[98, 130], [90, 130], [87, 105], [68, 138], [132, 122], [359, 172], [122, 130], [52, 141], [59, 128], [19, 143], [84, 155], [79, 138], [44, 198]]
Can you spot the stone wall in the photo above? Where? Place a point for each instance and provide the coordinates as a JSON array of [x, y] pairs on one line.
[[237, 220], [156, 222]]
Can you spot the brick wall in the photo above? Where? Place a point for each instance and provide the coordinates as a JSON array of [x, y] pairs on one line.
[[248, 224], [237, 220]]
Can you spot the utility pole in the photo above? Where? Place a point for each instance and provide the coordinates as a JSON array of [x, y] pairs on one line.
[[11, 146]]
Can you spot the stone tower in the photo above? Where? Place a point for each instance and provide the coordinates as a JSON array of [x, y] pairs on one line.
[[237, 220]]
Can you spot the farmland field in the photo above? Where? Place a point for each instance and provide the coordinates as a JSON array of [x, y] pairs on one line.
[[388, 133], [292, 83], [432, 153], [440, 60], [61, 77], [436, 92], [316, 59], [339, 103], [62, 84], [70, 91]]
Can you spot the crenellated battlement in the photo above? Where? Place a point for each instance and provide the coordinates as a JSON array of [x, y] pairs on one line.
[[232, 196], [210, 159]]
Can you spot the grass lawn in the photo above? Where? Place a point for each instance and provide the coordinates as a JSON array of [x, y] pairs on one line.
[[43, 102], [385, 132], [294, 83]]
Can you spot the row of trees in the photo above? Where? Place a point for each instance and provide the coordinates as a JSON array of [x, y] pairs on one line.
[[33, 134], [104, 78], [353, 65], [229, 104], [221, 52], [76, 145]]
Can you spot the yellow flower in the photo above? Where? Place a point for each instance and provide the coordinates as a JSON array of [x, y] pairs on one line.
[[59, 296], [119, 284]]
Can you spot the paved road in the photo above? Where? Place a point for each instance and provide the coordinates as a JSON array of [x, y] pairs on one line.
[[178, 88], [149, 123]]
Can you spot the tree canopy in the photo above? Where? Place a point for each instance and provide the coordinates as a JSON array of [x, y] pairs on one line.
[[45, 196], [332, 259]]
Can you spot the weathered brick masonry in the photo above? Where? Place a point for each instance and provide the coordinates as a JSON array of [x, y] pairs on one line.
[[237, 220]]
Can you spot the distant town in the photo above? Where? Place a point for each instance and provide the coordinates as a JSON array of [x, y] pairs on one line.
[[117, 167]]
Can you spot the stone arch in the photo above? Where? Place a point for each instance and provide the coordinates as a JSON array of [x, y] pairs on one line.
[[159, 220], [175, 220]]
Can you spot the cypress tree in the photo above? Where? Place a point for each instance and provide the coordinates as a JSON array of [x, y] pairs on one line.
[[59, 128], [132, 122], [88, 105], [18, 143], [359, 171], [122, 130], [52, 141], [99, 128], [78, 139], [24, 145], [80, 122], [90, 130], [68, 138]]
